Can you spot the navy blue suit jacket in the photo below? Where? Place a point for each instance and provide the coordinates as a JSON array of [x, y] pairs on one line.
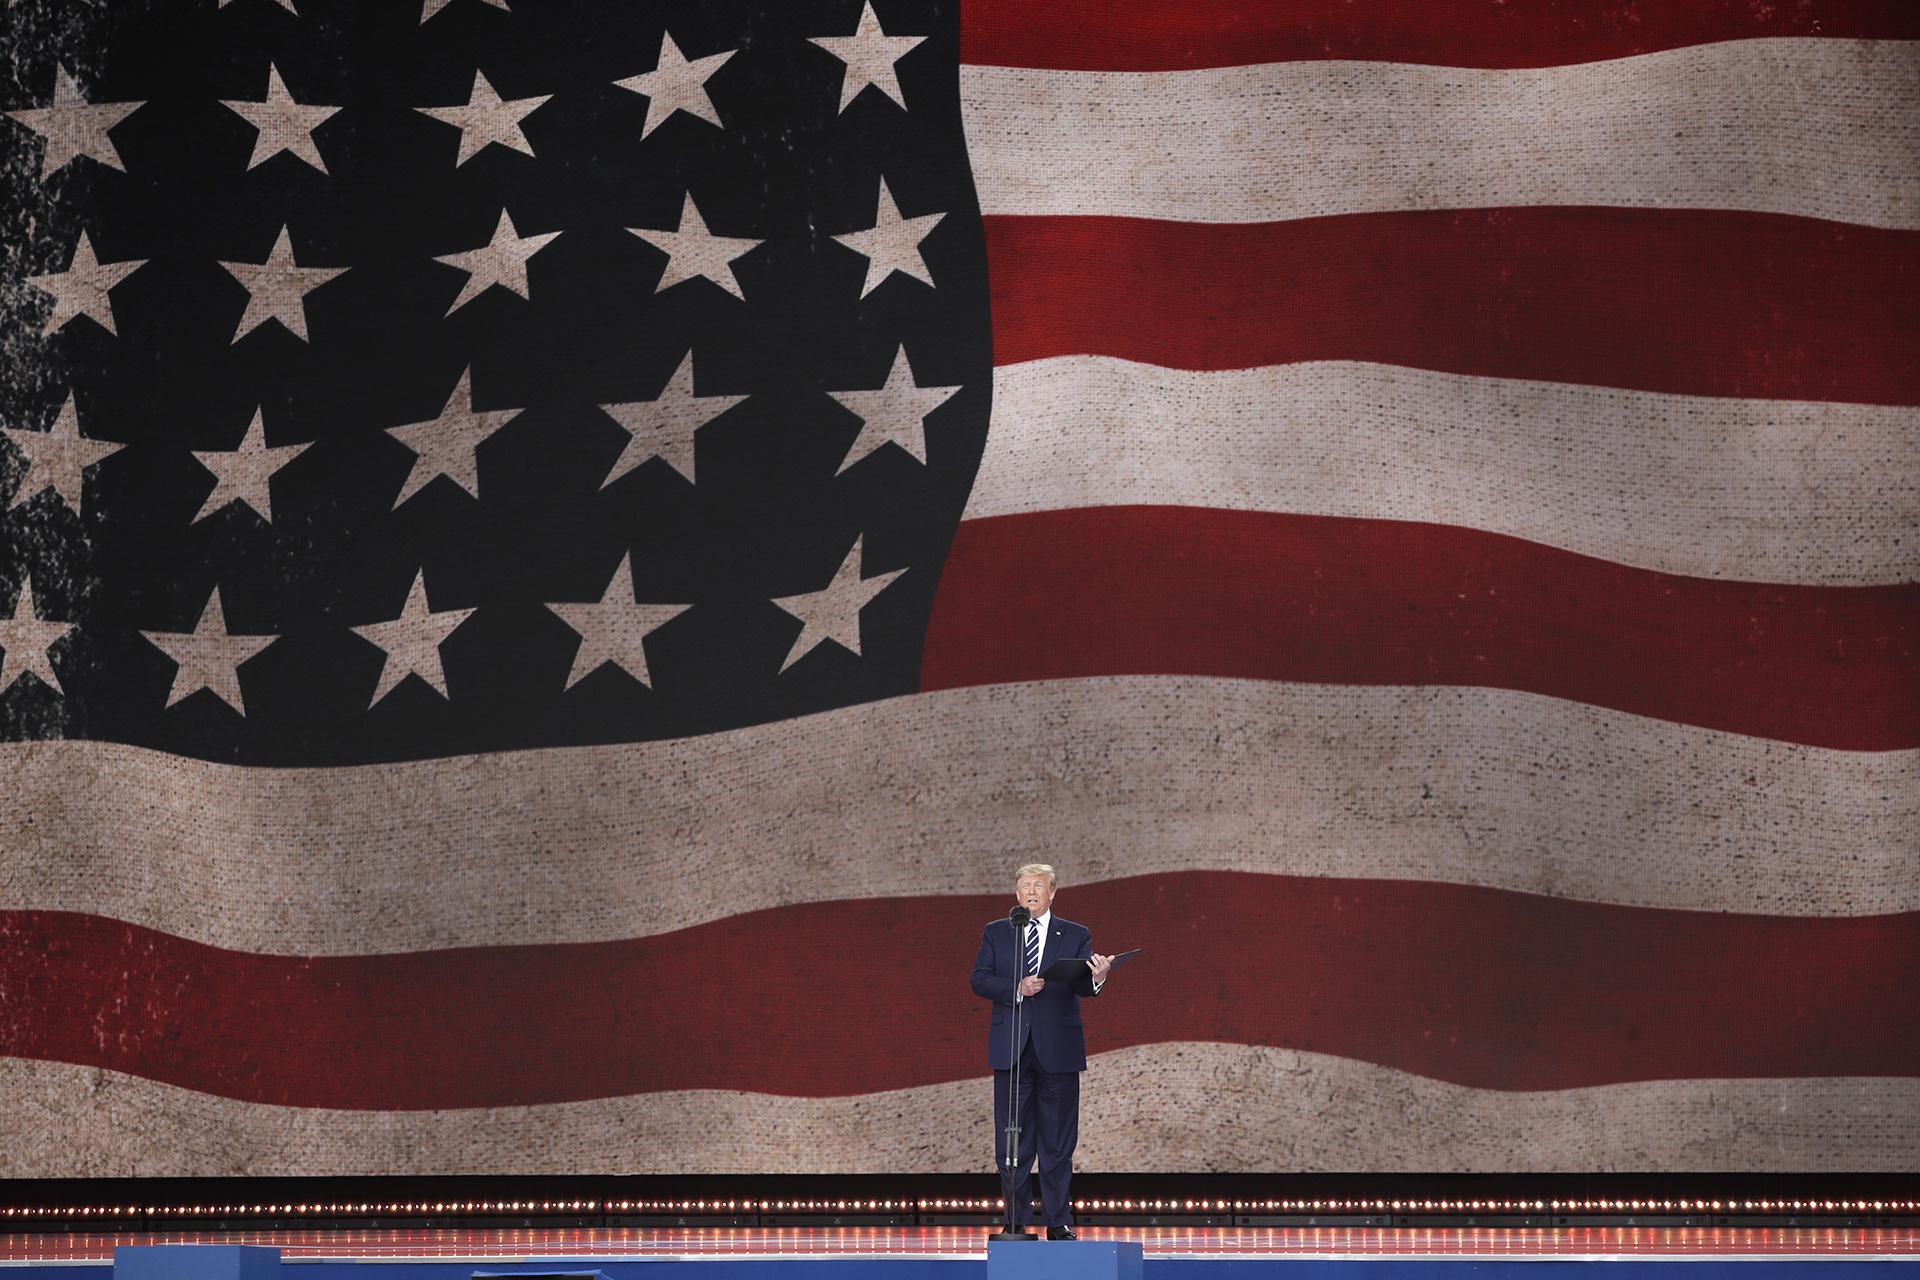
[[1059, 1039]]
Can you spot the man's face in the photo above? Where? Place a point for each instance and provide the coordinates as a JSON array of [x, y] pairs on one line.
[[1033, 893]]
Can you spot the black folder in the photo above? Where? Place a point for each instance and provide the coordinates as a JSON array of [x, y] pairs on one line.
[[1073, 968]]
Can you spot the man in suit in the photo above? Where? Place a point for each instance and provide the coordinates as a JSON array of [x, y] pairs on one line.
[[1053, 1048]]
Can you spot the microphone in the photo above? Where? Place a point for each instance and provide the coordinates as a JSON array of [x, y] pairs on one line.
[[1017, 920]]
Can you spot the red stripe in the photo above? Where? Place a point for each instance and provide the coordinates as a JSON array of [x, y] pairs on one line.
[[1156, 35], [1477, 986], [1192, 591], [1686, 301]]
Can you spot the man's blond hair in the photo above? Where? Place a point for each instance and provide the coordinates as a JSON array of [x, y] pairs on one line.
[[1037, 869]]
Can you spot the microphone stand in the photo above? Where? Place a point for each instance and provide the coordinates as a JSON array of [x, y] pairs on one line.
[[1011, 1162]]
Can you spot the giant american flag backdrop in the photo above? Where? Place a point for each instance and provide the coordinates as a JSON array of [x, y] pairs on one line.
[[557, 554]]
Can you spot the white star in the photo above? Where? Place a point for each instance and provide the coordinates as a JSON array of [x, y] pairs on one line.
[[895, 412], [694, 251], [82, 289], [73, 126], [869, 54], [208, 657], [431, 7], [281, 123], [676, 84], [833, 613], [27, 640], [892, 243], [664, 426], [613, 630], [277, 288], [58, 457], [240, 474], [487, 118], [502, 261], [448, 445], [412, 641]]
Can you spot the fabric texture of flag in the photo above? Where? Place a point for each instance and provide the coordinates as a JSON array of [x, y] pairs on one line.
[[521, 515]]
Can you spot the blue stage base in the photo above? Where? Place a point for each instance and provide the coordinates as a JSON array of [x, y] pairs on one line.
[[195, 1262], [1081, 1260]]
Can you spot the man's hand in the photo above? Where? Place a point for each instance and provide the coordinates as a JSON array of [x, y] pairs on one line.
[[1100, 966], [1032, 986]]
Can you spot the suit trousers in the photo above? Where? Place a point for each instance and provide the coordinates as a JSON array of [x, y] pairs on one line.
[[1049, 1129]]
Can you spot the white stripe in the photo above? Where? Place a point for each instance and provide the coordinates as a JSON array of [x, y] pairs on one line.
[[945, 794], [1756, 490], [1820, 127], [1160, 1108]]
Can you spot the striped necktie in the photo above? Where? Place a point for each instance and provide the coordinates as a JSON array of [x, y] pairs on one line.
[[1033, 949]]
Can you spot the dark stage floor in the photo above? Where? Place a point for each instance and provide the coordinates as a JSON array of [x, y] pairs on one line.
[[747, 1242]]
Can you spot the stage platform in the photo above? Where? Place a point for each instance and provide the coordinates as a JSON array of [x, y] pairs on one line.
[[951, 1253]]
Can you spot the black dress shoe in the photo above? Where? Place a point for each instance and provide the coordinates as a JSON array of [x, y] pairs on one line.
[[1061, 1233]]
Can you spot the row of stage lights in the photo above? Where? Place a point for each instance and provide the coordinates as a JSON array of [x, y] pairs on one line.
[[422, 1208]]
